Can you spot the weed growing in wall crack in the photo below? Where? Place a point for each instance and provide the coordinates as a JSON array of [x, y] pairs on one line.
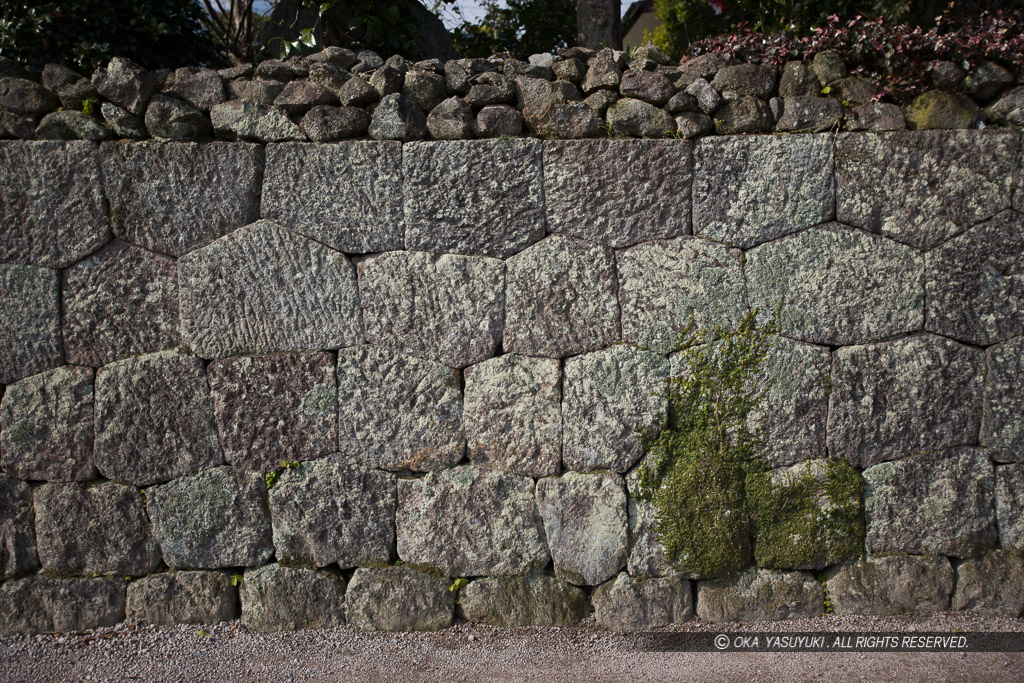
[[271, 477]]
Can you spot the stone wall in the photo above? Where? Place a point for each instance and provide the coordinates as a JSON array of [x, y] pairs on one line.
[[314, 384]]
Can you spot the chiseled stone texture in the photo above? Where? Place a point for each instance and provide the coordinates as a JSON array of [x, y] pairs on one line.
[[975, 282], [1010, 506], [51, 202], [101, 528], [647, 558], [883, 586], [346, 196], [447, 308], [264, 289], [838, 285], [471, 521], [895, 398], [398, 599], [526, 600], [154, 419], [992, 584], [752, 189], [30, 339], [480, 197], [760, 595], [269, 409], [46, 426], [609, 395], [937, 503], [120, 302], [41, 604], [663, 283], [17, 535], [398, 412], [1002, 415], [280, 598], [513, 414], [334, 511], [628, 604], [618, 192], [174, 197], [182, 598], [923, 187], [585, 525], [217, 518], [560, 298]]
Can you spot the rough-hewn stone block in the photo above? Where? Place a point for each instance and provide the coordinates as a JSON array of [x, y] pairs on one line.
[[527, 600], [1002, 417], [30, 339], [647, 557], [182, 598], [992, 585], [39, 604], [899, 397], [398, 599], [264, 289], [1010, 506], [347, 196], [177, 196], [628, 604], [473, 197], [618, 192], [760, 595], [17, 535], [838, 285], [279, 598], [890, 585], [753, 189]]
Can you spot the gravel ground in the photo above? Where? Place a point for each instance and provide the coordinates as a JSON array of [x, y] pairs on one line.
[[465, 652]]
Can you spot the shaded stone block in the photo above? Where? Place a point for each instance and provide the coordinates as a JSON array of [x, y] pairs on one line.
[[890, 585], [470, 521], [628, 604], [895, 398], [618, 192], [447, 308], [120, 302], [100, 529], [175, 197], [1002, 414], [51, 202], [269, 409], [182, 598], [279, 598], [838, 285], [1010, 506], [217, 518], [753, 189], [398, 599], [992, 584], [647, 557], [347, 197], [40, 604], [17, 535], [30, 340], [264, 289], [526, 600], [154, 419], [481, 197], [760, 595]]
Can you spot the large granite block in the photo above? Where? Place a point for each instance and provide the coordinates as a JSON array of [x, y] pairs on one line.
[[889, 585], [1002, 415], [41, 604], [628, 604], [398, 599], [30, 339], [17, 532], [760, 595], [182, 598], [279, 598], [534, 599], [1010, 506]]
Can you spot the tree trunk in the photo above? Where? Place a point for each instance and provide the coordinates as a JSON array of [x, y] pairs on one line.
[[598, 24]]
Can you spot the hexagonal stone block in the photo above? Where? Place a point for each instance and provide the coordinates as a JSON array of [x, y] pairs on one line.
[[1010, 506], [647, 557], [618, 192], [628, 604], [585, 525], [46, 426], [992, 585], [269, 409], [480, 197], [760, 595], [513, 414], [154, 419], [470, 521], [938, 503], [40, 604], [890, 585], [837, 285], [446, 308], [560, 298], [398, 412], [609, 395], [264, 289], [30, 340], [17, 534], [527, 600], [51, 202], [975, 283], [174, 197], [100, 528], [182, 598], [280, 598], [120, 302], [899, 397], [753, 189], [334, 511], [398, 599], [347, 196], [1002, 416], [923, 187], [217, 518], [663, 283]]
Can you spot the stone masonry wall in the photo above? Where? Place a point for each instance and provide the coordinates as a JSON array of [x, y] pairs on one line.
[[440, 353]]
